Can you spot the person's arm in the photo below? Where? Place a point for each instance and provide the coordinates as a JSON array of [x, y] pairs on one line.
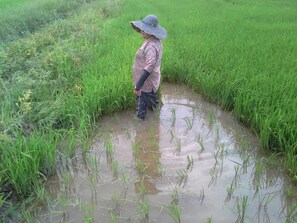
[[142, 79]]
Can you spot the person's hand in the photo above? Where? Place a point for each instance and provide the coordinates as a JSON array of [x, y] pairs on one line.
[[137, 93]]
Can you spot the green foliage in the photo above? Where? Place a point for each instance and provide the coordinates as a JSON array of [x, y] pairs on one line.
[[29, 16], [48, 64], [41, 90], [27, 161]]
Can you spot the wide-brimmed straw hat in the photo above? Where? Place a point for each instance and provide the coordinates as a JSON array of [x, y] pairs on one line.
[[150, 25]]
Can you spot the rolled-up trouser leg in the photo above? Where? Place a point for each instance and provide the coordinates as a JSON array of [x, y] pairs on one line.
[[153, 101], [146, 99]]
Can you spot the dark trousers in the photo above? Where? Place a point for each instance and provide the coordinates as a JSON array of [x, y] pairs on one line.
[[144, 101]]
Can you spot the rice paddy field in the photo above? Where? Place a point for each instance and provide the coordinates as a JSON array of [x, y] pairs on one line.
[[66, 64]]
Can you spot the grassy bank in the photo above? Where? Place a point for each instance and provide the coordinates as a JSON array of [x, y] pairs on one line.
[[71, 67]]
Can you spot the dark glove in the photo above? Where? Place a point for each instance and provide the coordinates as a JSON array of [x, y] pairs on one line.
[[142, 79]]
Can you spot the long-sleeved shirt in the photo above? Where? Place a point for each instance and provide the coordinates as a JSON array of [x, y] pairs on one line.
[[148, 57]]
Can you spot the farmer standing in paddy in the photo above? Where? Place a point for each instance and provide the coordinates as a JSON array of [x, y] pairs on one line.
[[147, 63]]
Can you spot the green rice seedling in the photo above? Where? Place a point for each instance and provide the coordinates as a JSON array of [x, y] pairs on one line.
[[141, 167], [27, 215], [189, 122], [244, 144], [88, 215], [202, 195], [241, 209], [182, 177], [93, 162], [230, 191], [190, 162], [259, 167], [199, 140], [154, 142], [290, 192], [174, 211], [237, 135], [235, 178], [109, 149], [116, 204], [144, 209], [71, 142], [2, 200], [178, 146], [208, 220], [125, 178], [175, 195], [222, 150], [291, 163], [63, 203], [245, 162], [257, 184], [41, 194], [236, 169], [217, 134], [135, 147], [66, 180], [273, 159], [93, 181], [173, 117], [161, 171], [211, 117], [172, 135], [128, 133], [215, 155], [142, 189], [292, 213], [214, 175], [115, 168], [113, 216], [264, 201]]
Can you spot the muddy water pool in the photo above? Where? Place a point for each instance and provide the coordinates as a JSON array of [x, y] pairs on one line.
[[189, 162]]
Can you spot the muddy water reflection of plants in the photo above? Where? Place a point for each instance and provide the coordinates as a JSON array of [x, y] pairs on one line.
[[191, 162]]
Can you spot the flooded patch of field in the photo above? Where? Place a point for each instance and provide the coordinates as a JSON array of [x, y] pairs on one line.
[[189, 162]]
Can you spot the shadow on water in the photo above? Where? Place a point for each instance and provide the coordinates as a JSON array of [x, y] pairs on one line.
[[188, 162]]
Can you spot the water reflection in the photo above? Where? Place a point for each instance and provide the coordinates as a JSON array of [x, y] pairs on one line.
[[147, 155]]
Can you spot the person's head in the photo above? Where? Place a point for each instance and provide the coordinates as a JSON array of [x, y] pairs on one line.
[[145, 35], [148, 27]]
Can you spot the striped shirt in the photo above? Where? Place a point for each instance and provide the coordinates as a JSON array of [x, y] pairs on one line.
[[148, 57]]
